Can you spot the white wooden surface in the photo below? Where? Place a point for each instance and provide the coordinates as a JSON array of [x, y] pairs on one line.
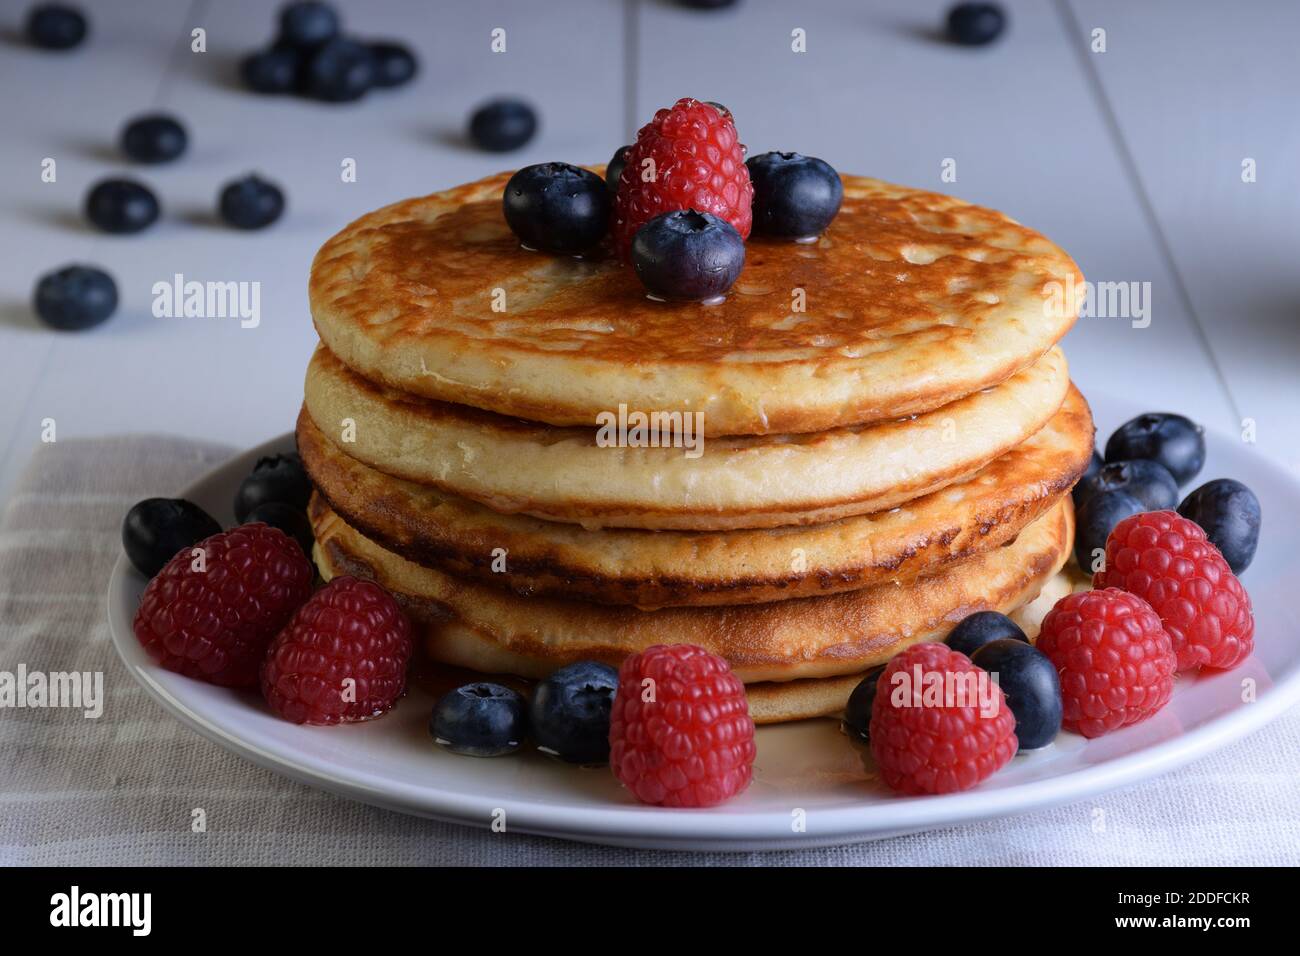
[[1129, 159]]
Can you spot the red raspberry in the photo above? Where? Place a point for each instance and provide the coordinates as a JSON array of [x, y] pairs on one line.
[[1166, 560], [698, 163], [691, 744], [1115, 661], [928, 742], [342, 658], [213, 620]]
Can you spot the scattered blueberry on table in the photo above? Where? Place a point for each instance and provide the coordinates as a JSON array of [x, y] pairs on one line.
[[983, 627], [1174, 441], [55, 26], [687, 255], [155, 530], [557, 207], [1229, 514], [75, 297], [308, 24], [975, 24], [502, 125], [795, 197], [479, 720], [274, 70], [569, 712], [341, 71], [1097, 518], [395, 64], [275, 478], [1031, 686], [250, 203], [156, 138], [122, 206]]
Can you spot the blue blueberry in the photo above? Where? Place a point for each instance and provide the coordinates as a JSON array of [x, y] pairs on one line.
[[983, 627], [1080, 488], [1229, 513], [1176, 442], [502, 125], [479, 720], [1097, 519], [857, 713], [569, 712], [154, 139], [308, 23], [157, 529], [687, 255], [278, 478], [557, 207], [340, 71], [395, 64], [75, 298], [274, 70], [288, 519], [795, 196], [615, 168], [250, 203], [1031, 686], [54, 26], [122, 206], [1146, 480], [974, 24]]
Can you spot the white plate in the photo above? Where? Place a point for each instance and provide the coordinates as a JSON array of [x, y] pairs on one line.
[[807, 766]]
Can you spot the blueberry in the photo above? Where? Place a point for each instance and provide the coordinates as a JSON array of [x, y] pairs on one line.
[[974, 24], [288, 519], [795, 196], [502, 125], [154, 139], [1176, 442], [1096, 520], [75, 298], [1229, 513], [250, 203], [615, 168], [687, 255], [1147, 481], [1031, 686], [479, 720], [121, 206], [340, 71], [1080, 487], [557, 207], [53, 26], [983, 627], [857, 713], [157, 529], [395, 64], [308, 23], [279, 478], [274, 70], [569, 712]]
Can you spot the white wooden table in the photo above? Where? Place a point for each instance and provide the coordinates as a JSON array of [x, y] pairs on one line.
[[1131, 159]]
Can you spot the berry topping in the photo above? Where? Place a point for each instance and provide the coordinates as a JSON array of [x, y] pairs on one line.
[[1094, 523], [795, 197], [1148, 481], [279, 478], [502, 125], [974, 24], [340, 71], [1176, 442], [557, 207], [75, 298], [570, 712], [250, 203], [939, 724], [342, 658], [1080, 491], [680, 732], [308, 23], [1029, 683], [687, 157], [395, 64], [1166, 560], [614, 171], [983, 627], [857, 713], [479, 720], [54, 26], [1115, 662], [687, 255], [1229, 514], [288, 519], [155, 529], [271, 71], [212, 614], [121, 206], [154, 139]]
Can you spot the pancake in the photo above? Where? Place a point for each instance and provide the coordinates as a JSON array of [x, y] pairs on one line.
[[660, 568], [565, 474], [467, 624], [912, 300]]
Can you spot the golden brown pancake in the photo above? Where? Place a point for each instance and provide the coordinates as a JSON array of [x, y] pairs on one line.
[[567, 474], [467, 624], [910, 300], [660, 568]]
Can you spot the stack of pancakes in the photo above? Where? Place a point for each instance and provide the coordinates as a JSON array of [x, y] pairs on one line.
[[889, 437]]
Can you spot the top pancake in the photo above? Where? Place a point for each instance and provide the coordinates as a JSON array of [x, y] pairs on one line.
[[912, 299]]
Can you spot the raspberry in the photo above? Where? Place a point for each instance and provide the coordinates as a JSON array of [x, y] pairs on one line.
[[939, 743], [691, 743], [341, 659], [698, 163], [1166, 560], [214, 621], [1115, 661]]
